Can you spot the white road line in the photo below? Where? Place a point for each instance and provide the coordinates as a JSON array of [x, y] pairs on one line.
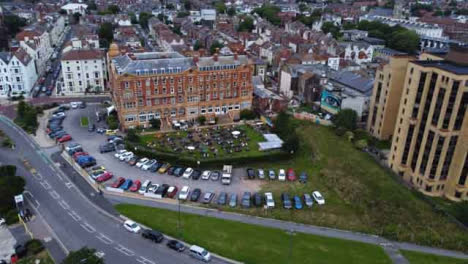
[[69, 185], [54, 195], [64, 204], [37, 176], [32, 199], [88, 227], [124, 250], [104, 239], [145, 260], [74, 215], [45, 184]]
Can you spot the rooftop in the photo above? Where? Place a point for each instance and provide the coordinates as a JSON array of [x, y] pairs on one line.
[[445, 66]]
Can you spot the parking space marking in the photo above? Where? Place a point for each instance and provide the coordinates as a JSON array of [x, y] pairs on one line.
[[37, 176], [54, 195], [145, 260], [45, 184], [69, 185], [104, 239], [124, 250], [64, 204], [74, 215], [88, 227]]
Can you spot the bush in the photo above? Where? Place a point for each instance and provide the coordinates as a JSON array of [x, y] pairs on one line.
[[11, 217], [112, 122], [346, 118], [34, 246], [7, 143], [247, 114], [155, 123], [340, 131], [349, 135], [8, 170], [361, 144], [133, 136], [201, 120]]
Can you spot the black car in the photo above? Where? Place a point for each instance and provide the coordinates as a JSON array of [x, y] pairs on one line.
[[181, 171], [245, 202], [152, 235], [58, 134], [108, 147], [162, 190], [176, 245], [63, 108], [83, 105], [195, 195], [155, 167], [91, 127], [303, 177], [73, 151], [257, 199], [171, 170], [222, 198], [287, 204], [250, 173], [196, 174]]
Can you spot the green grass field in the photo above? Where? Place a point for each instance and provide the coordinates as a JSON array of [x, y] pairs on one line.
[[422, 258], [255, 244], [84, 121]]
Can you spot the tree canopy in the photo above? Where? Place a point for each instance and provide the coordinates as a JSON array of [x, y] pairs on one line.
[[10, 185], [84, 255], [106, 34], [346, 118], [13, 23], [144, 18], [246, 25], [269, 12], [26, 117], [220, 7], [330, 27], [215, 45]]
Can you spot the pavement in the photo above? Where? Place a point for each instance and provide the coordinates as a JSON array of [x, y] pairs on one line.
[[70, 217]]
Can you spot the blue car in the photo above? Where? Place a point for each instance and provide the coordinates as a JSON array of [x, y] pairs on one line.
[[297, 202], [86, 161], [126, 185]]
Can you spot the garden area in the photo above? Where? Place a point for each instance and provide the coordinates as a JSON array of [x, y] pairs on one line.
[[35, 253]]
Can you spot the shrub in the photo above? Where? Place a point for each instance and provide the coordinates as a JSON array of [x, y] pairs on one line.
[[133, 136], [340, 131], [7, 143], [155, 123], [346, 118], [112, 122], [11, 217], [247, 114], [34, 246], [201, 120], [361, 144]]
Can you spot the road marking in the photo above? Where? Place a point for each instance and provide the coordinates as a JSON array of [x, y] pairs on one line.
[[64, 204], [37, 176], [104, 239], [145, 260], [74, 215], [124, 250], [54, 195], [45, 184], [100, 254], [69, 185], [32, 199], [88, 227]]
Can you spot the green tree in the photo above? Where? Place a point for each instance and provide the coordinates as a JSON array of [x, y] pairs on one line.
[[282, 125], [10, 185], [62, 12], [247, 114], [247, 24], [106, 34], [170, 6], [26, 117], [330, 27], [231, 11], [133, 136], [187, 5], [348, 26], [346, 118], [201, 120], [155, 123], [197, 45], [269, 12], [113, 9], [220, 7], [291, 144], [405, 40], [112, 122], [13, 24], [133, 18], [92, 5], [183, 14], [303, 7], [86, 254], [144, 18], [216, 45]]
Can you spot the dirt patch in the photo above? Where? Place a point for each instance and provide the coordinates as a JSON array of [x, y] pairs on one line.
[[41, 136]]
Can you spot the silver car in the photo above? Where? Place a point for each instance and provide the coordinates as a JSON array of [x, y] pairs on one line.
[[233, 200], [308, 200], [271, 174]]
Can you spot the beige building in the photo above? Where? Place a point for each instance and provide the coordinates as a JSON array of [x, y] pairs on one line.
[[430, 140]]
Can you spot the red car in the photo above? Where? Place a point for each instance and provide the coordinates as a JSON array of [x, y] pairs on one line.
[[136, 186], [104, 177], [64, 138], [171, 192], [291, 175], [78, 154], [118, 182]]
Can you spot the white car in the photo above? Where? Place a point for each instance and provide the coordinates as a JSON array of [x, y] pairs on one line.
[[206, 175], [148, 164], [261, 174], [2, 221], [153, 188], [119, 153], [126, 156], [187, 173], [58, 115], [318, 197], [141, 162], [270, 202], [184, 192], [132, 226], [74, 105], [282, 175]]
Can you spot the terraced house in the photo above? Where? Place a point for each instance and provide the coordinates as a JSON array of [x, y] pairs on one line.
[[168, 86]]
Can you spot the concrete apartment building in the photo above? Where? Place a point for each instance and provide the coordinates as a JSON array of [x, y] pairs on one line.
[[430, 140], [168, 86]]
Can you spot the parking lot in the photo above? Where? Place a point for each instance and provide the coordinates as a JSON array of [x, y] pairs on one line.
[[91, 141]]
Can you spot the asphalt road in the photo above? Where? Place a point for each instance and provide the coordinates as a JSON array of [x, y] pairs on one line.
[[72, 219]]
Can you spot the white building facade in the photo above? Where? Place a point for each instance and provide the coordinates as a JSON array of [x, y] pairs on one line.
[[36, 42], [17, 73]]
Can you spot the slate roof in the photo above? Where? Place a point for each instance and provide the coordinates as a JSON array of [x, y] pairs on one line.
[[353, 81]]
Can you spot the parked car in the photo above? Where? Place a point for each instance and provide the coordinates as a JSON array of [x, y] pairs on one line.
[[74, 105], [110, 132], [271, 174], [161, 191], [72, 146], [99, 167], [181, 172], [126, 156], [155, 167], [91, 127], [308, 200], [246, 200], [257, 199], [96, 173], [176, 245], [297, 202], [261, 174], [131, 226], [200, 253], [141, 162], [303, 177], [164, 168], [144, 188], [133, 161], [222, 198], [153, 188], [107, 147], [318, 197], [269, 201], [73, 151], [58, 115], [78, 154], [281, 175], [233, 200], [196, 174], [101, 130], [120, 153], [286, 201], [187, 173], [184, 192], [136, 186], [104, 177], [152, 235], [64, 138], [148, 164], [171, 170], [86, 161], [126, 185], [291, 175], [171, 192], [215, 175], [117, 183], [208, 197], [250, 173], [206, 175], [195, 195]]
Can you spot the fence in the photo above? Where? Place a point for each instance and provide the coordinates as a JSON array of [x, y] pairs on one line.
[[311, 117]]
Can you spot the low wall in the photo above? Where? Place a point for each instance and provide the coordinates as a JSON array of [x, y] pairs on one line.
[[313, 118]]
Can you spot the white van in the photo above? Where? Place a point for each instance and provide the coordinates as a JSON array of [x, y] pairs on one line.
[[144, 187], [200, 253]]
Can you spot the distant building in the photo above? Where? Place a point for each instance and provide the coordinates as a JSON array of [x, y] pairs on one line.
[[35, 40], [17, 73], [75, 8], [422, 29]]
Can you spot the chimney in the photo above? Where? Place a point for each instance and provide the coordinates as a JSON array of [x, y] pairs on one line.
[[195, 59]]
